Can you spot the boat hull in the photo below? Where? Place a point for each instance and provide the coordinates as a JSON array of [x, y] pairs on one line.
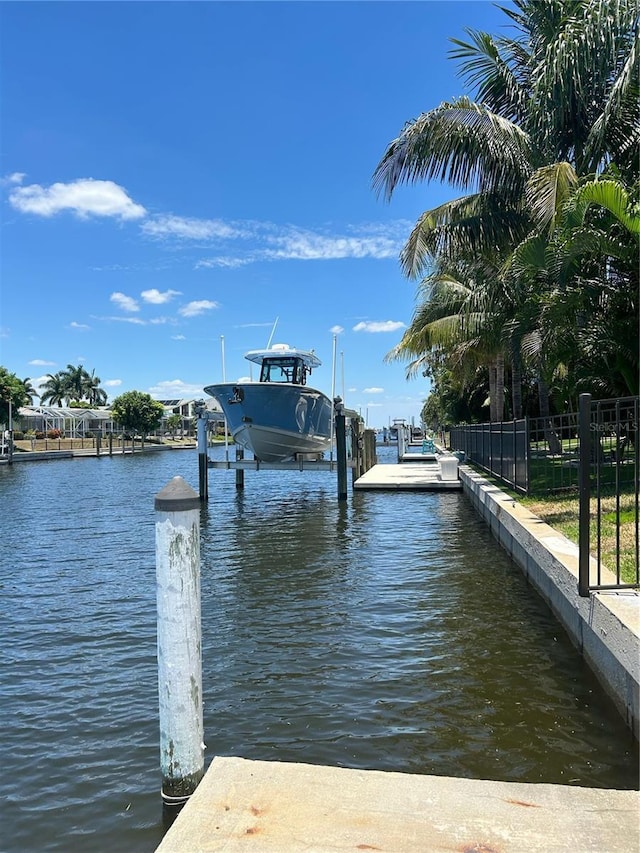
[[276, 422]]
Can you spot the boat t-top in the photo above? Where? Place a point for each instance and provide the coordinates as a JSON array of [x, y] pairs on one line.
[[279, 418]]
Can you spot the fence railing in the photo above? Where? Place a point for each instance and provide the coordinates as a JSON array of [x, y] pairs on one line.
[[500, 449], [609, 520], [593, 452]]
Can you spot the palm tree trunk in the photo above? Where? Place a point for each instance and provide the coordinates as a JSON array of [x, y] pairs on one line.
[[500, 386], [553, 442], [492, 391], [516, 380]]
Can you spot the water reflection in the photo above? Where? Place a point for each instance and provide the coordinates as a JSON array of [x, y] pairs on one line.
[[389, 632]]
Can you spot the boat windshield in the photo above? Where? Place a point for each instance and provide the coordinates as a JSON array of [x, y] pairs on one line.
[[291, 370]]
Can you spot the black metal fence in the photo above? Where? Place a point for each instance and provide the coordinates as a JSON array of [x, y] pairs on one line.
[[609, 487], [500, 449], [592, 452]]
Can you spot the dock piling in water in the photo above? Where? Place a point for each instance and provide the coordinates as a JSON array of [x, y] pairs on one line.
[[239, 471], [341, 447], [203, 472], [179, 641]]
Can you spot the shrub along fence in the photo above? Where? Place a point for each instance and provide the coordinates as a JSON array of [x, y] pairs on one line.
[[593, 452]]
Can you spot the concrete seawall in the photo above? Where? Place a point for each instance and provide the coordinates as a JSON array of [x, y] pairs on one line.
[[604, 627]]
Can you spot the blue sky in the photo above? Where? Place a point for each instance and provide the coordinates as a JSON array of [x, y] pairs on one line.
[[177, 175]]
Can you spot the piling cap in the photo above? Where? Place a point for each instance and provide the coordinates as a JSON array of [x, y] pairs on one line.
[[177, 496]]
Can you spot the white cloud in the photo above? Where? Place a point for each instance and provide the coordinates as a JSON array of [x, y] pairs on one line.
[[156, 297], [112, 383], [40, 362], [176, 388], [223, 262], [336, 330], [306, 245], [188, 228], [373, 391], [13, 178], [254, 325], [85, 197], [126, 303], [199, 306], [379, 326], [74, 325], [135, 321], [178, 338], [374, 405]]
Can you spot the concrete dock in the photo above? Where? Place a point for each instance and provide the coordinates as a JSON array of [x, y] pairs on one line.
[[275, 807], [417, 476]]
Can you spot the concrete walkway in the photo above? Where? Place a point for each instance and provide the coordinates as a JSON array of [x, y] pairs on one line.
[[273, 807], [416, 476]]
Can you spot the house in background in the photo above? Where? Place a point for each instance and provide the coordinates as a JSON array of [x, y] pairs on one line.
[[86, 423], [187, 411]]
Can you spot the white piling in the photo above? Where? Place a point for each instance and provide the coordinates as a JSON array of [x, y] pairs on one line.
[[179, 640]]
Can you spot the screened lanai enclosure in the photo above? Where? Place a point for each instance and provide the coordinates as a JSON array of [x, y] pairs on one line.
[[72, 423]]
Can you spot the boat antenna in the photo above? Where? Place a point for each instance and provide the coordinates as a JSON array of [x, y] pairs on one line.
[[333, 395], [272, 332], [224, 379]]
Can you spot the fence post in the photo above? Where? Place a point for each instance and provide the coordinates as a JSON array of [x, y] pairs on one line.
[[179, 641], [584, 487]]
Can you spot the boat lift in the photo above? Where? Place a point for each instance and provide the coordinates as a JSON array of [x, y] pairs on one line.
[[357, 454]]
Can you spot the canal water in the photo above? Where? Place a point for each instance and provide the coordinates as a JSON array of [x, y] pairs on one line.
[[389, 633]]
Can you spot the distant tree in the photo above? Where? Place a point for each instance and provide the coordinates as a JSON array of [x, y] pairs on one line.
[[11, 390], [55, 389], [73, 385], [96, 395], [76, 381], [29, 390], [174, 422], [137, 412]]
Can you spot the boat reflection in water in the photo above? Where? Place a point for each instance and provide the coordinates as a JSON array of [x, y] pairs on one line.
[[280, 418]]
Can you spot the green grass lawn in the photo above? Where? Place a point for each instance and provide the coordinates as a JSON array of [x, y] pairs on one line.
[[561, 512]]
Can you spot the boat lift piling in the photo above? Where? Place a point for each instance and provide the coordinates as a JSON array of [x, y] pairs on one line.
[[341, 446], [179, 641], [203, 462], [239, 471]]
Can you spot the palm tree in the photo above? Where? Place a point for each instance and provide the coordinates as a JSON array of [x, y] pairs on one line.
[[457, 313], [29, 390], [557, 101], [76, 379], [588, 270], [55, 389], [96, 395]]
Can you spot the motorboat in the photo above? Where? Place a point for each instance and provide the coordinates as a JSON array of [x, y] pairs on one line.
[[278, 418]]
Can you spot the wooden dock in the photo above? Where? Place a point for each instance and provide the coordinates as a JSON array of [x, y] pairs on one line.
[[409, 475]]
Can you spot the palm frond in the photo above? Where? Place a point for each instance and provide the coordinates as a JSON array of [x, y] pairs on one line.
[[547, 191], [490, 74], [461, 143]]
